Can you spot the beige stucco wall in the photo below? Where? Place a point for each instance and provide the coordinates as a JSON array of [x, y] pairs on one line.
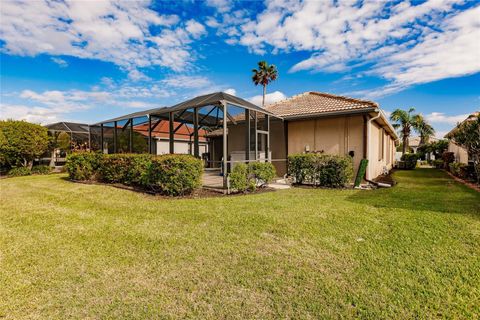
[[338, 135], [381, 153], [461, 155]]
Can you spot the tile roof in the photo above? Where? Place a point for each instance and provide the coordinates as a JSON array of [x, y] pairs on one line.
[[312, 103]]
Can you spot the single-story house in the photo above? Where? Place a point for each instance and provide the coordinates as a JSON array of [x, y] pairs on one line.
[[323, 122], [461, 154], [226, 130]]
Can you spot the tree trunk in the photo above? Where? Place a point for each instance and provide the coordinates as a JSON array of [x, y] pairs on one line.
[[264, 93], [405, 145]]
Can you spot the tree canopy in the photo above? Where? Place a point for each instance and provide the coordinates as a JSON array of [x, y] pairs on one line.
[[21, 142], [264, 75]]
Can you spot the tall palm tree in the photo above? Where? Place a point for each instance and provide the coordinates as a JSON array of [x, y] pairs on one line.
[[424, 129], [405, 121], [264, 75]]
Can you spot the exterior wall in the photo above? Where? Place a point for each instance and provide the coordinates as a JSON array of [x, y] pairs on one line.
[[336, 135], [180, 147], [381, 151], [461, 155]]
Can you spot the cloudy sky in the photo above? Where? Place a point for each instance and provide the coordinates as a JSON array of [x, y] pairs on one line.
[[90, 60]]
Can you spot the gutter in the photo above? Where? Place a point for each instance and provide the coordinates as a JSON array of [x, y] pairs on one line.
[[328, 114]]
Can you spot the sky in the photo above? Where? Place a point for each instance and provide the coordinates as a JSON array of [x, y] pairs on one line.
[[87, 61]]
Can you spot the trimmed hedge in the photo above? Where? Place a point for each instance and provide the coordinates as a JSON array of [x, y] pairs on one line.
[[83, 166], [321, 169], [458, 169], [247, 177], [169, 174], [438, 163], [410, 160], [173, 174], [19, 172]]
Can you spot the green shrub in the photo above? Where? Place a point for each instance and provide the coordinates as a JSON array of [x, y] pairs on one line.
[[458, 169], [438, 163], [19, 172], [127, 169], [410, 160], [173, 174], [83, 166], [41, 169], [448, 157], [262, 172], [239, 177], [321, 169]]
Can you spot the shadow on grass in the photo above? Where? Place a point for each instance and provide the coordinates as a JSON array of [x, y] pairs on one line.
[[423, 190]]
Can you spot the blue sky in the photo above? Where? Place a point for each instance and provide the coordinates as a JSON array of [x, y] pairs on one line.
[[88, 61]]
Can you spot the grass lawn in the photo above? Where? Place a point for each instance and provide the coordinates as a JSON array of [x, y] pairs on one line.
[[71, 250]]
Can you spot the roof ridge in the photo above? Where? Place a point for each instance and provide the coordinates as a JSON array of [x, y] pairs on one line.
[[336, 96], [324, 94]]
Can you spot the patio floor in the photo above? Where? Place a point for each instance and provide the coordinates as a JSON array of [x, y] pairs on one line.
[[212, 179]]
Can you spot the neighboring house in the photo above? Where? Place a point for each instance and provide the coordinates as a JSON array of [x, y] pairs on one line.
[[413, 144], [322, 122], [461, 154]]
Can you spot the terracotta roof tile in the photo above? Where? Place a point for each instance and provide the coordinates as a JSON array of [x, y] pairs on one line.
[[313, 103]]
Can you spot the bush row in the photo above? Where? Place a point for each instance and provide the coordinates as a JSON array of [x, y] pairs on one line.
[[25, 171], [247, 177], [321, 169], [172, 175]]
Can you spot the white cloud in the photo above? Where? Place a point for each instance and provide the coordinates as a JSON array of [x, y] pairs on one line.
[[442, 118], [62, 63], [231, 91], [34, 114], [404, 43], [187, 82], [221, 5], [269, 98], [109, 30]]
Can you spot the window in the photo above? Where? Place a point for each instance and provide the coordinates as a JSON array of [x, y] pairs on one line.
[[381, 145]]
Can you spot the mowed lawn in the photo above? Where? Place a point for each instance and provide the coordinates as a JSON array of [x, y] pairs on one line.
[[70, 250]]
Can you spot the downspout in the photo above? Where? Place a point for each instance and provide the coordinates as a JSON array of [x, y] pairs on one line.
[[369, 122]]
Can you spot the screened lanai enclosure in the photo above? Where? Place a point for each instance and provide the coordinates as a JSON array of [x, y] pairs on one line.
[[65, 137], [221, 129]]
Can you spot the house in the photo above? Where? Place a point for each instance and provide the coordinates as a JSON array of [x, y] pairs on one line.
[[226, 130], [323, 122], [461, 154]]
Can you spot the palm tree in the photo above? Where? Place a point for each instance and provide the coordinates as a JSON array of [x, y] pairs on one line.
[[264, 75], [405, 121], [424, 129]]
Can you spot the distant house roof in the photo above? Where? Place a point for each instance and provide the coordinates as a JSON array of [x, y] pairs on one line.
[[162, 131], [68, 127], [312, 103], [471, 117]]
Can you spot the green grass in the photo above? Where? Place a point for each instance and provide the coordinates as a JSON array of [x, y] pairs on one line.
[[72, 250]]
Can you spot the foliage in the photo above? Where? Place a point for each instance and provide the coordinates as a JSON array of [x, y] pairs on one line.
[[247, 177], [62, 141], [410, 160], [404, 121], [448, 157], [239, 177], [264, 75], [19, 172], [41, 169], [168, 174], [173, 174], [438, 147], [321, 169], [458, 169], [21, 142], [424, 129], [262, 172], [467, 135], [83, 166], [438, 163], [128, 169]]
